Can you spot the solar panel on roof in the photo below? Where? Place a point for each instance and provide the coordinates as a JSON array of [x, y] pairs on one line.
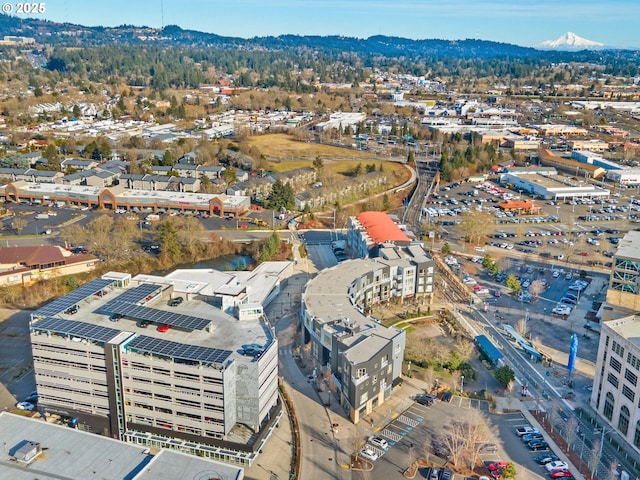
[[76, 329], [177, 350], [78, 295], [154, 315], [136, 294]]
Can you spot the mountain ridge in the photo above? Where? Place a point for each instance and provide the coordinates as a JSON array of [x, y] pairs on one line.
[[570, 41]]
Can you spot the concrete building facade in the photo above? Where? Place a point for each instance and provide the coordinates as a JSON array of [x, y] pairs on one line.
[[615, 395], [129, 364], [364, 357]]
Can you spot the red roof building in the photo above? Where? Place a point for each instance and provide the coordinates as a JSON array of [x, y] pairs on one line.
[[369, 229]]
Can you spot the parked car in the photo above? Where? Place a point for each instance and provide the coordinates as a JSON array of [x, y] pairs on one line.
[[568, 301], [545, 458], [532, 436], [536, 445], [379, 442], [560, 474], [426, 400], [520, 431], [447, 474], [369, 453], [489, 447], [164, 328], [25, 406], [556, 465], [174, 302]]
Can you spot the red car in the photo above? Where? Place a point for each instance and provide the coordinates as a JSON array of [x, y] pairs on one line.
[[477, 287], [495, 469], [560, 474], [164, 328]]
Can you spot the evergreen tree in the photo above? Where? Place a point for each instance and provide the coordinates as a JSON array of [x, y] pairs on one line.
[[167, 159]]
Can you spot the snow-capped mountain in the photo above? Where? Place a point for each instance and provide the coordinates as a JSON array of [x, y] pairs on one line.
[[570, 41]]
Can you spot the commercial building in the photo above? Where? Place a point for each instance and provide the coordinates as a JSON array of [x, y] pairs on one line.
[[615, 386], [364, 357], [627, 176], [27, 265], [592, 158], [59, 452], [119, 196], [615, 394], [548, 186], [198, 374], [569, 166]]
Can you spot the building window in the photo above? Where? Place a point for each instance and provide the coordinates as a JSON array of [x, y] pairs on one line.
[[375, 379], [613, 380], [636, 437], [631, 377], [361, 372], [615, 363], [623, 420], [627, 392], [617, 348], [633, 361], [607, 411]]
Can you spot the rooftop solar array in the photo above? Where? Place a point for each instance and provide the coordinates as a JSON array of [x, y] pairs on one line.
[[175, 350], [155, 315], [139, 293], [74, 298], [76, 329]]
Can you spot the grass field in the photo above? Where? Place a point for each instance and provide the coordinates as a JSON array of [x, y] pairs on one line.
[[285, 153], [285, 147]]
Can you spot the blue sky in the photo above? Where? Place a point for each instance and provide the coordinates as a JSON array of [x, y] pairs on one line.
[[522, 22]]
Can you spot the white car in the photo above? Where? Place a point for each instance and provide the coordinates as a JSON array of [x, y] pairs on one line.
[[379, 442], [557, 465], [562, 310], [25, 406], [369, 453], [556, 274]]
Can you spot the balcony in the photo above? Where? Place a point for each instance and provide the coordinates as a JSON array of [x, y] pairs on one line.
[[359, 380]]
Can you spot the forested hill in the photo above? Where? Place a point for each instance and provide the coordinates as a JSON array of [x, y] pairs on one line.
[[66, 34]]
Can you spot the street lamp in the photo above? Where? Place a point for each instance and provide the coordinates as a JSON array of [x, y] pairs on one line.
[[557, 213], [462, 384]]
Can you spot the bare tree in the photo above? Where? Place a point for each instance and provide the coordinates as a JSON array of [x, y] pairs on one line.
[[553, 413], [465, 349], [572, 432], [430, 377], [594, 459], [464, 439], [455, 379], [536, 288], [19, 224], [521, 327]]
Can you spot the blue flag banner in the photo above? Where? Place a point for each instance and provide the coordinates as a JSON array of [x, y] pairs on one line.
[[573, 353]]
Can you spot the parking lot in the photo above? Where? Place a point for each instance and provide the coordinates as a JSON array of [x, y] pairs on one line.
[[414, 433]]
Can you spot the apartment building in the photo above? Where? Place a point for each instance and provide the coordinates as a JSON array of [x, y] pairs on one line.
[[130, 362], [368, 230], [365, 357]]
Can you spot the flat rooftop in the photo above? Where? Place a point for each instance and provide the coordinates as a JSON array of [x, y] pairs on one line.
[[133, 196], [227, 332], [627, 327], [629, 246], [70, 454], [327, 295]]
